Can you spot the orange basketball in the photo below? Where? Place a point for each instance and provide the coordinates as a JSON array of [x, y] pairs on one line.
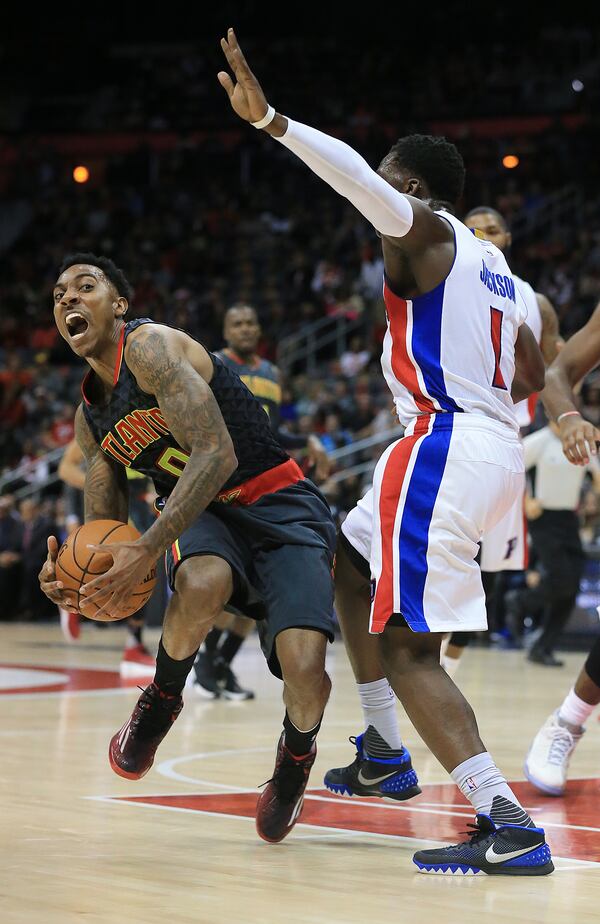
[[76, 565]]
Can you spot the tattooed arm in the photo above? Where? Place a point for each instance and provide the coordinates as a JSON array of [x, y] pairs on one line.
[[105, 493], [176, 369]]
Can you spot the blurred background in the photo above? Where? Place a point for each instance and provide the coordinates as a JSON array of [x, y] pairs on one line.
[[115, 137]]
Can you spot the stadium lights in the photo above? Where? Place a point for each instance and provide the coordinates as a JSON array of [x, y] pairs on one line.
[[81, 174]]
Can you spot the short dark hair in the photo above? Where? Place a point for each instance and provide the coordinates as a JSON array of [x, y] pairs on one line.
[[433, 159], [110, 270], [487, 210], [241, 306]]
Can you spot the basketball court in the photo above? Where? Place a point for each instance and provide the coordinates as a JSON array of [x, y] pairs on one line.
[[81, 844]]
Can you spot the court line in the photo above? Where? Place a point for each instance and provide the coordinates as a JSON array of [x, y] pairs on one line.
[[412, 843]]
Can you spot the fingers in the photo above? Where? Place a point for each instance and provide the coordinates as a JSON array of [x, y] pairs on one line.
[[235, 56], [52, 545], [105, 549], [226, 82]]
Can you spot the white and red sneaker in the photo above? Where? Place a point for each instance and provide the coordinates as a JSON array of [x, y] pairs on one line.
[[137, 662], [70, 625]]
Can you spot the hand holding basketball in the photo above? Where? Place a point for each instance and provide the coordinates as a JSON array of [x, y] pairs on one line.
[[54, 589], [106, 591]]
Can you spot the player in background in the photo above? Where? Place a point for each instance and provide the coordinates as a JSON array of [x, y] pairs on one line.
[[214, 676], [547, 762], [504, 548], [454, 325], [136, 659], [239, 521]]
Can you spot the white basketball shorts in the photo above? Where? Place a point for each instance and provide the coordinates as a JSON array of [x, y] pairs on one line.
[[504, 547], [435, 492]]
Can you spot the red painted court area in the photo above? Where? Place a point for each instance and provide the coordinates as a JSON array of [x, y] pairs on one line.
[[439, 813], [27, 678]]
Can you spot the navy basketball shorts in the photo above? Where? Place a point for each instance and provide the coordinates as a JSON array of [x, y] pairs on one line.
[[280, 550]]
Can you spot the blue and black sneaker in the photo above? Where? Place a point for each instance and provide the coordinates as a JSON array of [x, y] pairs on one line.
[[495, 849], [377, 770]]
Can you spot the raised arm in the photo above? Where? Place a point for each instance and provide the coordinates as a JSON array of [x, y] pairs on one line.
[[105, 493], [405, 222], [579, 356]]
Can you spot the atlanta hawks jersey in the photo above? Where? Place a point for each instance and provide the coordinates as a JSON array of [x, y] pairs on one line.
[[131, 429], [452, 349], [260, 376], [524, 409]]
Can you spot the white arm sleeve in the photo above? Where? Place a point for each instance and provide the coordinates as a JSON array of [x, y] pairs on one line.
[[388, 210]]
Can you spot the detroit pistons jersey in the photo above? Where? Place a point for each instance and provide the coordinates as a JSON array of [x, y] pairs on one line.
[[451, 350], [131, 429], [260, 376], [525, 409]]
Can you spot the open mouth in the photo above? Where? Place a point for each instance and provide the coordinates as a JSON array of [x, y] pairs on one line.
[[76, 325]]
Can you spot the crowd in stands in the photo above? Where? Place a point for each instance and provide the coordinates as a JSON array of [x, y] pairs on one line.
[[222, 215]]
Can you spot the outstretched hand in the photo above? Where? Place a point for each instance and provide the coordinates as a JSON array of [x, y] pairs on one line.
[[245, 95], [579, 439]]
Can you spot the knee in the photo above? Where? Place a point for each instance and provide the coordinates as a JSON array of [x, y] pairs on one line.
[[204, 586], [304, 673], [400, 656]]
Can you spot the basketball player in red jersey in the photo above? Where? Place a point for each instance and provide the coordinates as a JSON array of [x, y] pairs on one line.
[[239, 520], [427, 252]]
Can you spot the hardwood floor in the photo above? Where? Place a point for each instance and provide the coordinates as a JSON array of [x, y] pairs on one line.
[[80, 844]]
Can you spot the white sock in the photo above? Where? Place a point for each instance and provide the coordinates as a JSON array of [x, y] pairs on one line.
[[450, 665], [574, 710], [480, 781], [378, 703]]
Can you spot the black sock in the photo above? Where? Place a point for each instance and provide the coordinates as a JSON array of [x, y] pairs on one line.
[[135, 631], [171, 675], [296, 741], [230, 646], [212, 639]]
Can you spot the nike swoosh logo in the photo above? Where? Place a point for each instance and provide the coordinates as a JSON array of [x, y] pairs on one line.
[[493, 857], [370, 781]]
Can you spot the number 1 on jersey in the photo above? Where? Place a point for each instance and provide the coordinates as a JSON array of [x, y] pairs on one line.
[[496, 331]]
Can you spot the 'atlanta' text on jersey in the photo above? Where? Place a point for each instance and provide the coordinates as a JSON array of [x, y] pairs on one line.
[[131, 429]]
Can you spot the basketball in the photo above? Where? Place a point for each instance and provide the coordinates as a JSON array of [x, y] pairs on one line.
[[76, 565]]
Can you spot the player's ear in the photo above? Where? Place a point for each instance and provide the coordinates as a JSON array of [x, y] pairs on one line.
[[412, 186], [120, 306], [508, 239]]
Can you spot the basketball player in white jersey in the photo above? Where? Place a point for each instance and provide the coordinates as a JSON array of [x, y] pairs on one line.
[[504, 547], [454, 324]]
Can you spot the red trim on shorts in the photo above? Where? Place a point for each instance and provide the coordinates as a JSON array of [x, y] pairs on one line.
[[274, 479], [403, 366], [532, 401], [525, 537], [389, 499]]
